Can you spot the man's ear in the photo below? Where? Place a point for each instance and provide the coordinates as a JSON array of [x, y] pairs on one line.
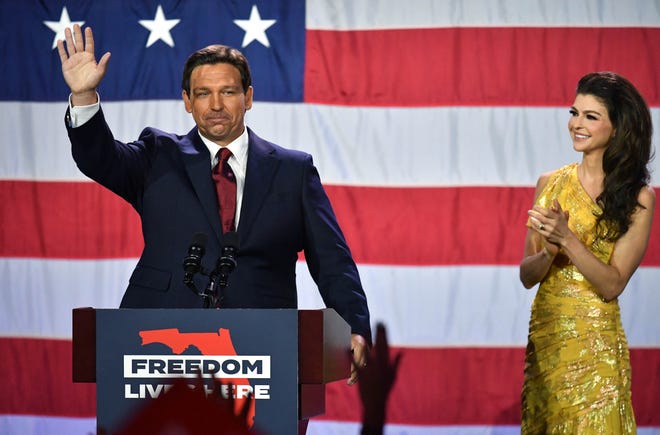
[[186, 101], [249, 94]]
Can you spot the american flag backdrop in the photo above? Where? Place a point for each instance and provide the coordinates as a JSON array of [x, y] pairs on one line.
[[430, 122]]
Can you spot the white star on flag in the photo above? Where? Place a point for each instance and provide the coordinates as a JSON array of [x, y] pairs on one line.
[[159, 28], [59, 26], [255, 28]]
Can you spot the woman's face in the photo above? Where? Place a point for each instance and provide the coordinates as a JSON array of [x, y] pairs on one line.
[[589, 125]]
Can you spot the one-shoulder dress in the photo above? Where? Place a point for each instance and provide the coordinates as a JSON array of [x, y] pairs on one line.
[[577, 365]]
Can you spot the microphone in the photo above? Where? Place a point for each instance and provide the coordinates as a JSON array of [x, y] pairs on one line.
[[192, 263], [227, 261], [224, 266]]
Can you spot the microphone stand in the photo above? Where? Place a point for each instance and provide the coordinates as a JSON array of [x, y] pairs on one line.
[[192, 263], [219, 279], [213, 294]]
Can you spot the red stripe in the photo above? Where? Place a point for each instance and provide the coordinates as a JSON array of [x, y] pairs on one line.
[[66, 220], [428, 226], [476, 386], [38, 379], [473, 66], [431, 226], [436, 386], [442, 226]]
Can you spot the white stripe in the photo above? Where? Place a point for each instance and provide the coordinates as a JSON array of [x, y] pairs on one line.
[[395, 14], [444, 146], [435, 306], [476, 305], [40, 294], [42, 425], [328, 427]]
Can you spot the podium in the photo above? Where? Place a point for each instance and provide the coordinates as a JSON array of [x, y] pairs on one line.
[[284, 357]]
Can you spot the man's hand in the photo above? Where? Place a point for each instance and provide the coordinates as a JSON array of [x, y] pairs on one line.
[[81, 72], [359, 349]]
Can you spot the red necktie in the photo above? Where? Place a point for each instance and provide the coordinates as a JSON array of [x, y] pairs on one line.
[[225, 186]]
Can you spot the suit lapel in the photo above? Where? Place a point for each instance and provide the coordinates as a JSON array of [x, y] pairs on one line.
[[261, 166], [197, 162]]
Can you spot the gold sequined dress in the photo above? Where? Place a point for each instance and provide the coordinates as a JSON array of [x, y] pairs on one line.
[[577, 366]]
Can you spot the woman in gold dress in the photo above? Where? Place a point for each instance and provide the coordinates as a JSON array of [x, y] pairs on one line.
[[587, 234]]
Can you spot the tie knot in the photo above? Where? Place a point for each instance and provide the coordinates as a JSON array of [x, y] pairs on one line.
[[223, 164], [223, 155]]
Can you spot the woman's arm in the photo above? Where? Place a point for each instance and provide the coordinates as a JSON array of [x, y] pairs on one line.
[[538, 254], [608, 279], [611, 279]]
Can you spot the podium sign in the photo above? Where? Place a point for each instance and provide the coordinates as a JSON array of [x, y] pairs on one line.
[[141, 352]]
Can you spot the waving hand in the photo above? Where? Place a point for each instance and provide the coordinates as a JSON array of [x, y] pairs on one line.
[[79, 67]]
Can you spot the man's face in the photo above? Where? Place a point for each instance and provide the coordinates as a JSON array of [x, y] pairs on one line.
[[218, 102]]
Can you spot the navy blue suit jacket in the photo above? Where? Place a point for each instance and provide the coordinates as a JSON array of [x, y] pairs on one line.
[[167, 179]]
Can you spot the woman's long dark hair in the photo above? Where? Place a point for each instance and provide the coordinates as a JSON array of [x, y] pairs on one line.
[[626, 158]]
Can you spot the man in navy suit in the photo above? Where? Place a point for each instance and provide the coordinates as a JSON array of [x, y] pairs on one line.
[[281, 206]]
